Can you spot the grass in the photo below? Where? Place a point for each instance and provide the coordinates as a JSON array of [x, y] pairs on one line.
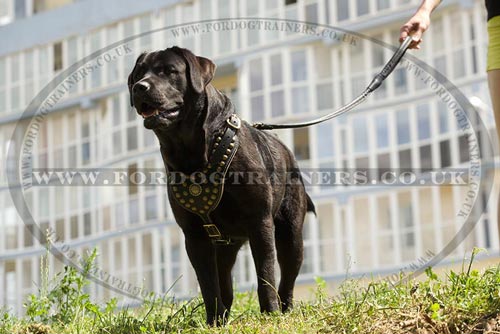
[[459, 302]]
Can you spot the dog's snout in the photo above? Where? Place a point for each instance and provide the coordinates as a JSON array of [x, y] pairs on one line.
[[141, 87]]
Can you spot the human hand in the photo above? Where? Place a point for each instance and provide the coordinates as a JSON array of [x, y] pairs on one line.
[[415, 27]]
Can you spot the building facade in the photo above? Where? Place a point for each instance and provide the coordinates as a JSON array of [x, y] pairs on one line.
[[272, 74]]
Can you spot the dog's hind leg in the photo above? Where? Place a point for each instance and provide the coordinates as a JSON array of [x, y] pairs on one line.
[[226, 257], [290, 251]]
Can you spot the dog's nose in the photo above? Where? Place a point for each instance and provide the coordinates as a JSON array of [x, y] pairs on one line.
[[141, 87]]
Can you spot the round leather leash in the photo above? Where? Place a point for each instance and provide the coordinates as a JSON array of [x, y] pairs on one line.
[[374, 84]]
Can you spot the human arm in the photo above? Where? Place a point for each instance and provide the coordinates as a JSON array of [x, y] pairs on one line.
[[418, 23]]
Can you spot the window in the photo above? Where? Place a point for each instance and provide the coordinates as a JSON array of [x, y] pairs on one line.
[[323, 62], [312, 13], [363, 7], [290, 2], [382, 131], [324, 138], [383, 163], [463, 146], [20, 9], [342, 10], [405, 159], [58, 56], [276, 70], [360, 133], [444, 147], [151, 207], [424, 124], [257, 108], [256, 80], [299, 65], [300, 100], [301, 143], [443, 117], [277, 103], [132, 138], [403, 126], [324, 95], [400, 81], [132, 185], [426, 157], [383, 4]]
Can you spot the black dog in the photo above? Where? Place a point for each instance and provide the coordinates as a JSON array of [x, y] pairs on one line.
[[171, 89]]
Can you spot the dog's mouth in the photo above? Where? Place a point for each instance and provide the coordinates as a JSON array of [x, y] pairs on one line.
[[147, 111]]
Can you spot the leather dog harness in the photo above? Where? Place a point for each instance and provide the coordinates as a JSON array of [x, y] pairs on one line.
[[201, 192]]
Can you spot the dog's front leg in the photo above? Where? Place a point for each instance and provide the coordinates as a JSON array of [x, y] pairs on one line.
[[263, 252], [201, 253]]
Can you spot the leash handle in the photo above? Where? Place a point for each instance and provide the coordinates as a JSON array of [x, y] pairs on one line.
[[376, 82], [390, 65]]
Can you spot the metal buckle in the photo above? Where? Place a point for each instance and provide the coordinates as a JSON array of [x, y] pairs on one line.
[[237, 121], [223, 242], [212, 230]]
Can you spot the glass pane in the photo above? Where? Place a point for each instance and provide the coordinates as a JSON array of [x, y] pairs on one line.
[[424, 123], [360, 133], [256, 80], [301, 143], [324, 95], [299, 65], [277, 103], [300, 100], [403, 126], [382, 131], [276, 70], [324, 133]]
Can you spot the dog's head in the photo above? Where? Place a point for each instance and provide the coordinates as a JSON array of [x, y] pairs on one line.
[[163, 83]]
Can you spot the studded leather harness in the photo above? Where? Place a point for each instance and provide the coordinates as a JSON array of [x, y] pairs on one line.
[[202, 191]]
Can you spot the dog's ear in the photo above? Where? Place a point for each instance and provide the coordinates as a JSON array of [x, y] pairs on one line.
[[201, 69], [130, 80]]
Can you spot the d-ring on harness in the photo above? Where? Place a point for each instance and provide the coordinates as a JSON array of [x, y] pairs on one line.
[[202, 192]]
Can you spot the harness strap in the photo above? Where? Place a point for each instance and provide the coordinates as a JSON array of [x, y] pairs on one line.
[[201, 192]]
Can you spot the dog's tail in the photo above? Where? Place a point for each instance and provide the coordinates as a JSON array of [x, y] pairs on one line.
[[310, 205]]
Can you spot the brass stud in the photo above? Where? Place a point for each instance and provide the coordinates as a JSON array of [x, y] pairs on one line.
[[228, 151], [191, 200], [231, 145], [210, 202], [216, 144], [177, 195], [213, 197], [215, 190], [207, 190], [201, 211], [219, 169], [188, 205], [185, 193], [205, 198], [182, 201], [206, 207], [184, 184], [193, 208], [222, 163], [219, 139], [224, 157], [175, 188]]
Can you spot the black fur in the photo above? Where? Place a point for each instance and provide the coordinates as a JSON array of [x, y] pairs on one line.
[[269, 213]]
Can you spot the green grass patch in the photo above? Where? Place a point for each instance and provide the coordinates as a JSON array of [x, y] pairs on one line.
[[459, 302]]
